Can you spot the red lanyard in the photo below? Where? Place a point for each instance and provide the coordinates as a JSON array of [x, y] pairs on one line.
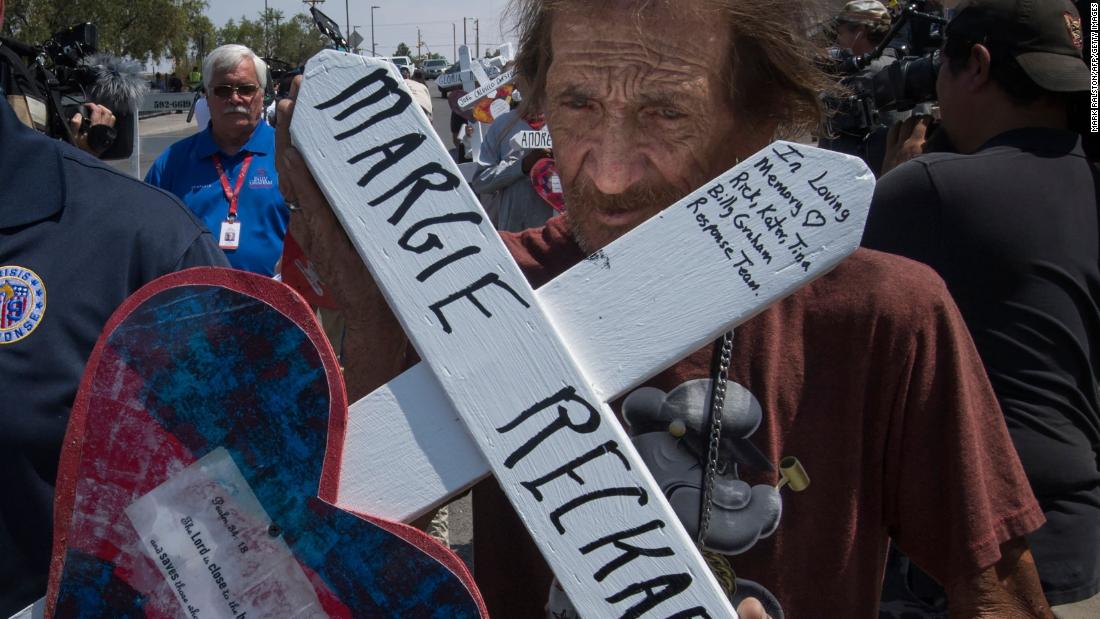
[[232, 194]]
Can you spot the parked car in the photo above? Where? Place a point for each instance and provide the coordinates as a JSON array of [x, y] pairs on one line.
[[433, 68], [401, 61]]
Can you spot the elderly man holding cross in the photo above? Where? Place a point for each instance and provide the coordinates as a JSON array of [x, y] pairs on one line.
[[865, 380]]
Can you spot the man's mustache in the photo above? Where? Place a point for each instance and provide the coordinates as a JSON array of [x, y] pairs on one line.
[[649, 196], [237, 109], [583, 199]]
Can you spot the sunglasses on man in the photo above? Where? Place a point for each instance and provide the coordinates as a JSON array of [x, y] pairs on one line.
[[226, 91]]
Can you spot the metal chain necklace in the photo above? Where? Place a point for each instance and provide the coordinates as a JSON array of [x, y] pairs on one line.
[[717, 403]]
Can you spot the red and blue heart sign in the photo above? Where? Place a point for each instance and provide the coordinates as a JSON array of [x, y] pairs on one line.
[[196, 471]]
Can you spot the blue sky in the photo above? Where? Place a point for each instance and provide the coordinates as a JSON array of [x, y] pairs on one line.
[[395, 21]]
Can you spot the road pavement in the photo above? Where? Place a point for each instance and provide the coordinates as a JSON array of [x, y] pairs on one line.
[[160, 132]]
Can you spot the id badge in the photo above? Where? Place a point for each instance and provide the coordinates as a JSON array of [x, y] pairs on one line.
[[230, 237]]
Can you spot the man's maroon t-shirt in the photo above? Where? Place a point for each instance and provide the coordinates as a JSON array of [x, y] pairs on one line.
[[869, 378]]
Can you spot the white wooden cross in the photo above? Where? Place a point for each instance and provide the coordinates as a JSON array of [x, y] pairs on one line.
[[528, 374], [487, 88], [472, 72], [465, 75]]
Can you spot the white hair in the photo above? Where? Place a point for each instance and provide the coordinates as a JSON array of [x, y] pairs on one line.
[[226, 58]]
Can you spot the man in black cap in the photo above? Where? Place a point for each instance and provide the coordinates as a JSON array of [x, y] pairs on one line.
[[1010, 223]]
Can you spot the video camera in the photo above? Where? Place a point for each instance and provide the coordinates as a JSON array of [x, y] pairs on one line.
[[66, 73], [901, 85]]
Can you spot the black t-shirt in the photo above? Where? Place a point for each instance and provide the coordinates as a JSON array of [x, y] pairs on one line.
[[1013, 231], [76, 239]]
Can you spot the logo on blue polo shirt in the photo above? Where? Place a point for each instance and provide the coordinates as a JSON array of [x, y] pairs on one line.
[[261, 180], [22, 303]]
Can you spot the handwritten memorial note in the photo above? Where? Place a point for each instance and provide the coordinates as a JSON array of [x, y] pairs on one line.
[[765, 213]]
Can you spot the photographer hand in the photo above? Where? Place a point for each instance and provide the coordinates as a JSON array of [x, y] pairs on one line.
[[93, 140], [905, 141]]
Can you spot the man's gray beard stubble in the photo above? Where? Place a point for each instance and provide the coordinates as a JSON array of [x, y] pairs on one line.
[[648, 197]]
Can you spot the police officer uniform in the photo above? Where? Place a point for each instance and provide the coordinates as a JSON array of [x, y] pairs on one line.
[[76, 239]]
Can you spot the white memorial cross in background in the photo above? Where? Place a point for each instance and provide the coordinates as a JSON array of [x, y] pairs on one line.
[[490, 87], [529, 374]]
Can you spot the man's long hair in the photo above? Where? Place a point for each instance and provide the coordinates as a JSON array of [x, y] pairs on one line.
[[773, 58]]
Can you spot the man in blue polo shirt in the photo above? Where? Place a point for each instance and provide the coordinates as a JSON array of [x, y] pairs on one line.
[[226, 173]]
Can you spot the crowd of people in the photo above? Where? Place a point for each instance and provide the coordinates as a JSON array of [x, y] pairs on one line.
[[940, 384], [164, 82]]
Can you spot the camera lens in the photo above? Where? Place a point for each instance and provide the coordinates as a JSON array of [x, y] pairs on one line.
[[907, 82]]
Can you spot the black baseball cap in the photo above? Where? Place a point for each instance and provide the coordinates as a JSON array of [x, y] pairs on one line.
[[1044, 36]]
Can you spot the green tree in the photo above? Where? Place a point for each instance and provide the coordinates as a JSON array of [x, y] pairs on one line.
[[138, 29], [298, 39], [246, 32], [17, 22], [403, 50], [293, 41], [190, 52]]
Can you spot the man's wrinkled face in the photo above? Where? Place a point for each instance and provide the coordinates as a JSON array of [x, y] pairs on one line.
[[640, 113], [236, 112]]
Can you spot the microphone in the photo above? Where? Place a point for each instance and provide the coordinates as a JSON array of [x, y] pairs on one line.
[[119, 86]]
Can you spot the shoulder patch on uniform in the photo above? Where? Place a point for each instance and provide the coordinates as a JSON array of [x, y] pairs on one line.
[[22, 303]]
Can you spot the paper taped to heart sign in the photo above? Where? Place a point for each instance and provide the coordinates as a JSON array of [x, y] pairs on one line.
[[547, 183], [188, 483]]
